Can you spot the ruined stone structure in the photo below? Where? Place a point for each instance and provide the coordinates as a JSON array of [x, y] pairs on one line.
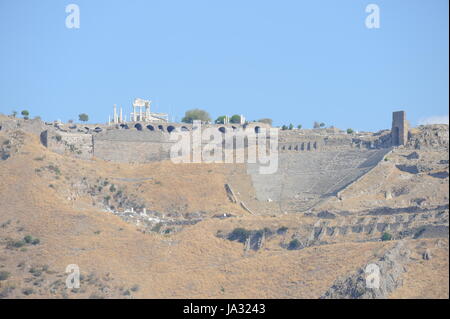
[[139, 114], [312, 164], [399, 130]]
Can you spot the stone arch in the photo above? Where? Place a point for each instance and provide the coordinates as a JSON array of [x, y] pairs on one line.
[[296, 147], [138, 126], [222, 129], [234, 128], [290, 147], [150, 127], [257, 129], [161, 128], [302, 147], [315, 145], [309, 146], [170, 128], [184, 129]]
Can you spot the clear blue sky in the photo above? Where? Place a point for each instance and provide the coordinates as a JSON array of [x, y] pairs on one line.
[[293, 61]]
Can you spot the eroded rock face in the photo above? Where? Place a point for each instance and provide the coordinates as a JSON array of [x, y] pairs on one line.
[[359, 285], [429, 136]]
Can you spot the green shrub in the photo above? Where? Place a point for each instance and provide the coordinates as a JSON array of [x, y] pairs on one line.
[[5, 224], [386, 236], [4, 275], [54, 168], [15, 244], [28, 239], [282, 230], [239, 234], [294, 244], [134, 288], [27, 291]]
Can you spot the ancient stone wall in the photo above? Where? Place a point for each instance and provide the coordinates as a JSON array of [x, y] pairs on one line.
[[132, 146], [75, 144]]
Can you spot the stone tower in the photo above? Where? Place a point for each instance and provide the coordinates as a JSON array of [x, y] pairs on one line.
[[399, 132]]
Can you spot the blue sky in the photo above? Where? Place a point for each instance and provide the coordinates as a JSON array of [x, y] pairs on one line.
[[293, 61]]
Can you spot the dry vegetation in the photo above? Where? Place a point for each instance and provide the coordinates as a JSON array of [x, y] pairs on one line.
[[50, 198]]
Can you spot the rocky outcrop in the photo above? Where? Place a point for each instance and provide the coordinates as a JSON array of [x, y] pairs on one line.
[[362, 283], [429, 136]]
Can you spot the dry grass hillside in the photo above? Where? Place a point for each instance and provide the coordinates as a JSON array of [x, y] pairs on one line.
[[57, 210]]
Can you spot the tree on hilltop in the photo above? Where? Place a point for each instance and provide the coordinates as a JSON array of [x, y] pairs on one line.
[[83, 117], [25, 114], [220, 120], [196, 114], [235, 119]]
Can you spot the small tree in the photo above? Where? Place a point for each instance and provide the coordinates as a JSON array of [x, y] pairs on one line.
[[322, 124], [266, 121], [294, 244], [220, 120], [25, 114], [386, 236], [291, 126], [235, 119], [284, 127], [196, 114], [239, 234], [83, 117], [299, 126], [14, 113], [349, 131]]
